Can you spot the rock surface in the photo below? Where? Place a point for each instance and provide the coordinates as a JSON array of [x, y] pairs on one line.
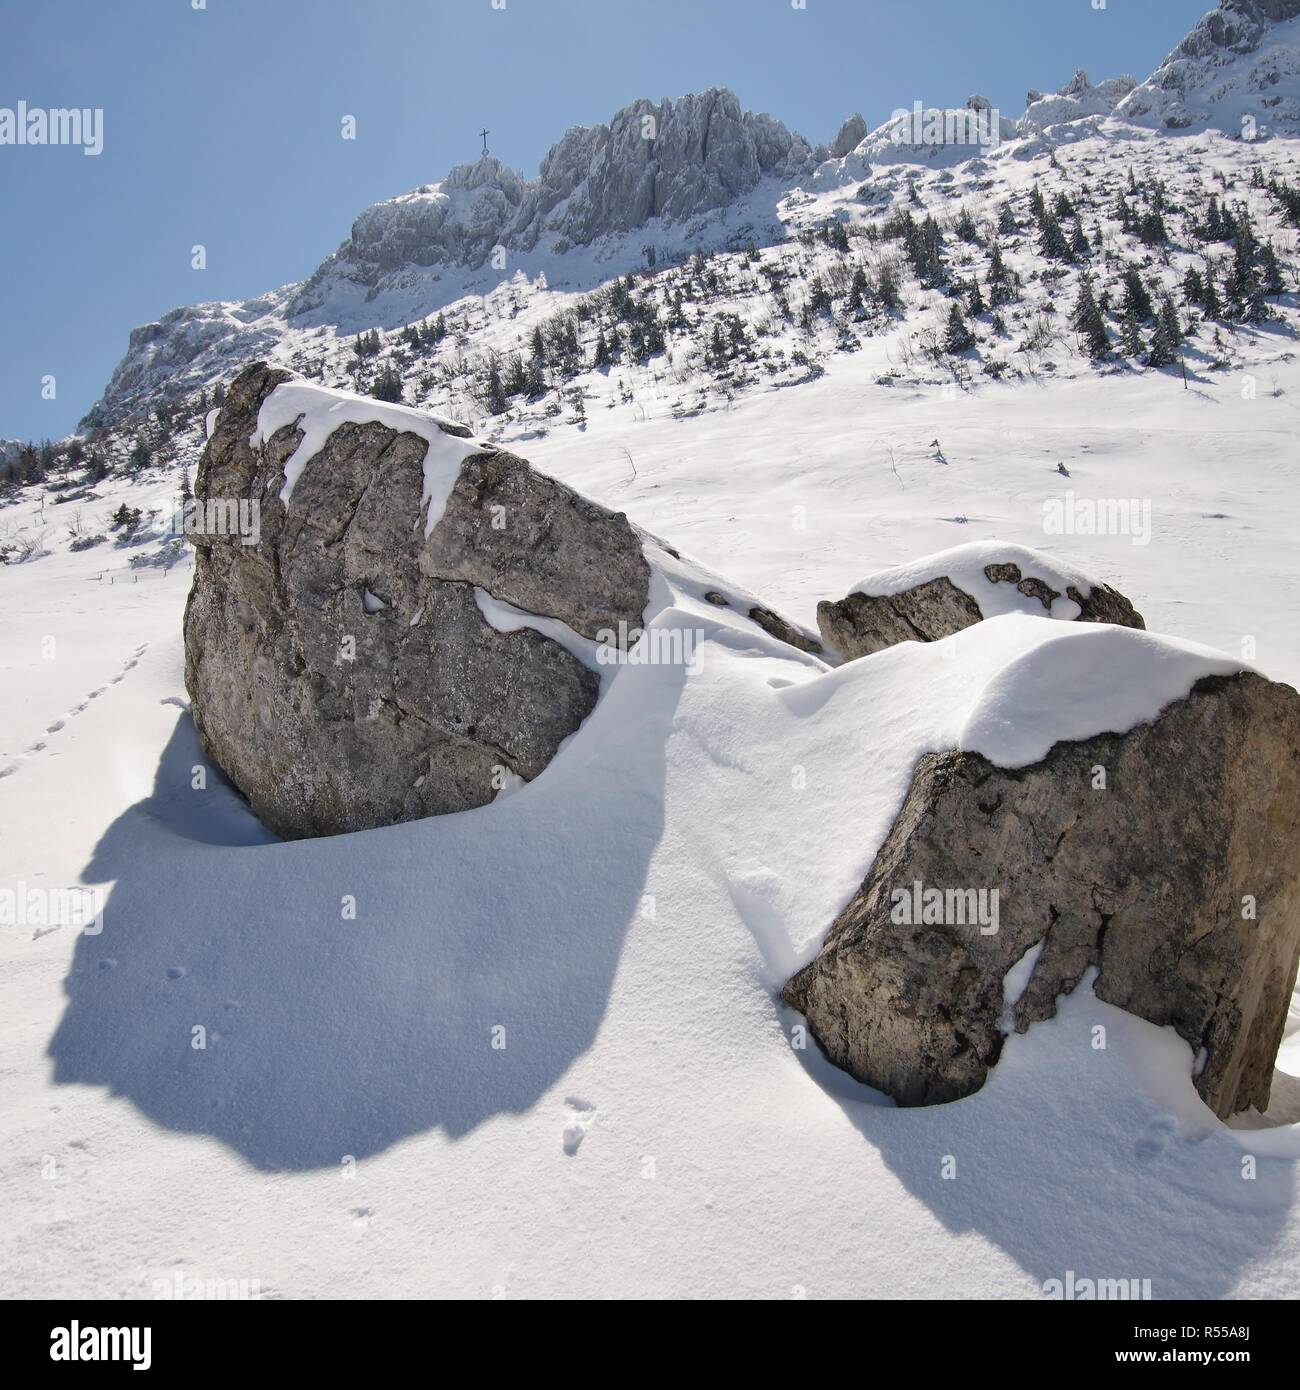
[[1238, 63], [862, 623], [1179, 881], [341, 670]]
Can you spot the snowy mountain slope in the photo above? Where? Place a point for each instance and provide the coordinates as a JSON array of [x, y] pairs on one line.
[[683, 176], [648, 1128], [1238, 71]]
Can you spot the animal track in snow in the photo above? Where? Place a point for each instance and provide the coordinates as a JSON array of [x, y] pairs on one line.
[[60, 724]]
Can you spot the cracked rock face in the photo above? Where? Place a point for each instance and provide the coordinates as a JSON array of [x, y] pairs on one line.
[[341, 670], [860, 624], [1178, 880]]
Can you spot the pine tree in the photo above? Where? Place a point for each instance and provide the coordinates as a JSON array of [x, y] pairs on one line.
[[1002, 285], [1137, 302], [1166, 337], [1210, 297], [888, 289], [1089, 323], [975, 304], [1130, 335], [957, 337], [966, 228], [1272, 281], [387, 386], [1152, 230], [1052, 241], [1079, 247], [1007, 223], [1193, 287], [858, 291], [1214, 228]]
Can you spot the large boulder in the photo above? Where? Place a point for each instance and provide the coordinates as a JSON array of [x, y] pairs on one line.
[[941, 594], [342, 664], [1167, 858]]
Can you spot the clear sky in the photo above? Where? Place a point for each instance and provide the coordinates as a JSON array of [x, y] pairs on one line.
[[222, 124]]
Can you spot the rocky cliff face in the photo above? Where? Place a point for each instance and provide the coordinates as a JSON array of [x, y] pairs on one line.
[[1238, 70], [669, 160], [1078, 99]]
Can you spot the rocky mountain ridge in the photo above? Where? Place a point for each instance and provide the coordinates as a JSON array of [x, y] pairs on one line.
[[678, 176]]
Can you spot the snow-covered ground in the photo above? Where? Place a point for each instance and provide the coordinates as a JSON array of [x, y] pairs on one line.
[[546, 1058]]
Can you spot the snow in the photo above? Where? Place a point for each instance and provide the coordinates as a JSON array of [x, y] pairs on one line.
[[650, 1126], [964, 566], [629, 916], [1073, 682], [319, 412]]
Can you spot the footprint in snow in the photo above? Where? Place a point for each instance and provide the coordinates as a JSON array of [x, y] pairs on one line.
[[1155, 1138], [581, 1114]]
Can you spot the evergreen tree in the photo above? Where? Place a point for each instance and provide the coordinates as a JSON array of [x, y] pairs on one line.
[[957, 337], [975, 304], [1272, 281], [966, 228], [1002, 285], [1152, 230], [1210, 297], [888, 289], [387, 386], [1007, 224], [1137, 302], [1166, 337], [1193, 287], [1130, 335], [1089, 323], [1052, 241]]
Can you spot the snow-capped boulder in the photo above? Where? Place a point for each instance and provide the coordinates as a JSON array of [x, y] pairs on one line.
[[938, 595], [1165, 858], [347, 662], [393, 619], [1237, 71]]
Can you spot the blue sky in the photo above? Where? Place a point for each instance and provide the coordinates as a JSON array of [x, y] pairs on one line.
[[221, 125]]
